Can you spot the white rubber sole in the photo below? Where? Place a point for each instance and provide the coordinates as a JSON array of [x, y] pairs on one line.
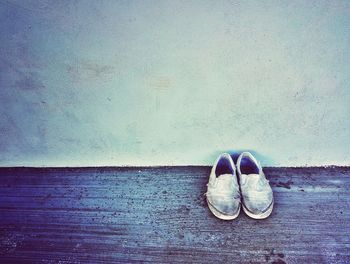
[[221, 215], [258, 216]]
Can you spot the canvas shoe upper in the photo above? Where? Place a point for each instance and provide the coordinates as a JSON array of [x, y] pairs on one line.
[[257, 196], [223, 195]]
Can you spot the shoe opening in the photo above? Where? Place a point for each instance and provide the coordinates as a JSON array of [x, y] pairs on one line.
[[248, 166], [223, 167]]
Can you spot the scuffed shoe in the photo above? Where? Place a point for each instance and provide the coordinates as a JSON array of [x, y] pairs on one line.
[[257, 197], [223, 195]]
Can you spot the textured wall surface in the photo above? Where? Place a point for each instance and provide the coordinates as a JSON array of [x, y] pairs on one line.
[[174, 82]]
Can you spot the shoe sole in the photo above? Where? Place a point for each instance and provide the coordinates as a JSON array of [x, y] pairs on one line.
[[221, 215], [258, 216]]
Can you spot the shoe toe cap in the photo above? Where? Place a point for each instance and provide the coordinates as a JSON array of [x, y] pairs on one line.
[[225, 206], [258, 206]]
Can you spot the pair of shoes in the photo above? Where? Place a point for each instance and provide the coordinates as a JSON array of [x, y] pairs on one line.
[[226, 191]]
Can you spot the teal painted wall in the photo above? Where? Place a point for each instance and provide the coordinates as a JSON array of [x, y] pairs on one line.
[[174, 82]]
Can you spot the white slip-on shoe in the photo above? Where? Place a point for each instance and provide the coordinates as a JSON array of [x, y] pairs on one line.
[[223, 195], [257, 196]]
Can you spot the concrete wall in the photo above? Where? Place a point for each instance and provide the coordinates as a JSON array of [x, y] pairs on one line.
[[174, 82]]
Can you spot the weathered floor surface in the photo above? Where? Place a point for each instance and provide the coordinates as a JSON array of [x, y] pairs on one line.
[[159, 215]]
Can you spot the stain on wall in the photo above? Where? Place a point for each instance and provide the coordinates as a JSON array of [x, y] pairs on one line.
[[174, 82]]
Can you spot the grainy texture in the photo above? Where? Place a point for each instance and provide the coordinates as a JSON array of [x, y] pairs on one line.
[[169, 82], [160, 215]]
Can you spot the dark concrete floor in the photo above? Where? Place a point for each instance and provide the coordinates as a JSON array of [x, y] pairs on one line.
[[159, 215]]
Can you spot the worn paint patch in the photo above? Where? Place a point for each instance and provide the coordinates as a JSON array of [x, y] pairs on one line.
[[29, 81], [85, 70]]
